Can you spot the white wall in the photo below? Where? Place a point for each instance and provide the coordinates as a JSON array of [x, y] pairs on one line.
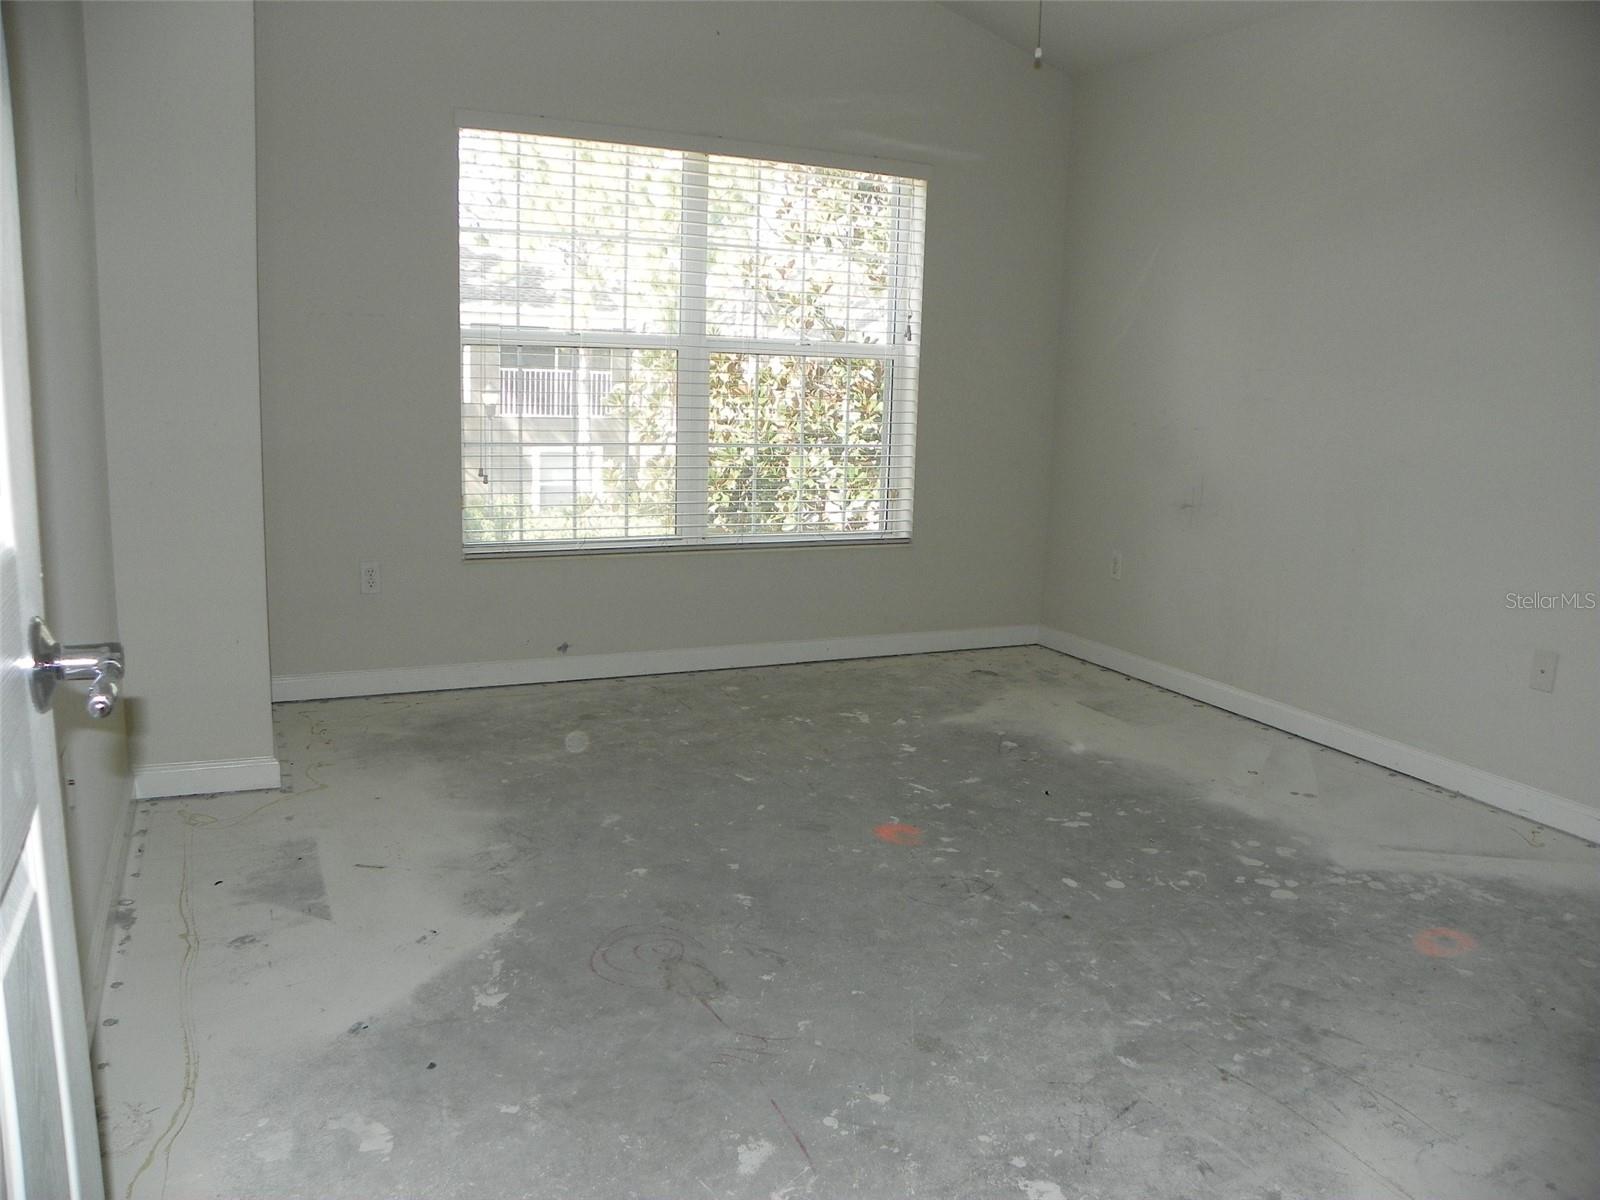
[[356, 157], [1329, 372], [171, 102], [44, 43]]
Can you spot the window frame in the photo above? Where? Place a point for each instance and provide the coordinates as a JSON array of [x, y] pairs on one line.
[[900, 355]]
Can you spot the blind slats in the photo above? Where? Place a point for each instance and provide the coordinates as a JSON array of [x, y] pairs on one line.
[[661, 347]]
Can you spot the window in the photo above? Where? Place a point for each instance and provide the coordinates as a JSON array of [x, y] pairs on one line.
[[673, 347]]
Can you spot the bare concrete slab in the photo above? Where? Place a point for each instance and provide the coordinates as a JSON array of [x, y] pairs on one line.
[[983, 924]]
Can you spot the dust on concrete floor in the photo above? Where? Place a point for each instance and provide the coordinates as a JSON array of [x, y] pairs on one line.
[[984, 924]]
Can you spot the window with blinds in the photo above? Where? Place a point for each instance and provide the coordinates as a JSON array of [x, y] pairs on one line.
[[668, 347]]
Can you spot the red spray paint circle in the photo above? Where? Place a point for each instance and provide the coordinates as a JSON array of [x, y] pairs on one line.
[[897, 834], [1444, 943]]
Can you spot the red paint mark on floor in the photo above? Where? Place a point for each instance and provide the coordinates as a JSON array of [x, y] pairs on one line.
[[897, 834], [1444, 943]]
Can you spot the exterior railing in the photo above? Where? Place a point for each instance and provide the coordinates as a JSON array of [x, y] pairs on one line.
[[554, 392]]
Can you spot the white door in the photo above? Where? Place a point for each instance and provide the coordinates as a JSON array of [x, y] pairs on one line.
[[48, 1141]]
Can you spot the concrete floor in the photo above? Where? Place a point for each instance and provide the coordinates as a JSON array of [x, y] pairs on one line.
[[967, 925]]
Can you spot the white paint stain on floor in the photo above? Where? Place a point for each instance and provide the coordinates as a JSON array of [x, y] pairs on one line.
[[275, 1146], [373, 1136], [753, 1155]]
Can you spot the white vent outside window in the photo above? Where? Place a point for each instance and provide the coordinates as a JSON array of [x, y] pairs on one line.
[[696, 348]]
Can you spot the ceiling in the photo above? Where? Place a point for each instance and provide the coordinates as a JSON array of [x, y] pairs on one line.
[[1084, 35]]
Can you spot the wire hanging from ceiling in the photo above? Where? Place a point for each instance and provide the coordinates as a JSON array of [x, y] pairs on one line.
[[1038, 42]]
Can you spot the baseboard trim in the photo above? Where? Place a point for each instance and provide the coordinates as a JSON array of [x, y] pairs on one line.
[[1541, 807], [202, 778], [1544, 808], [449, 677]]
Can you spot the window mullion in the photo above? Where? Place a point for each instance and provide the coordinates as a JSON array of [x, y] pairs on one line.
[[694, 358]]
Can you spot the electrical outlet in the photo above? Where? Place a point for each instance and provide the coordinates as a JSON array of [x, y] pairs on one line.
[[1544, 671], [1116, 564], [371, 581]]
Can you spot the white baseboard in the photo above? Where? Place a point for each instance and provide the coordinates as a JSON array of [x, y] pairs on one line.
[[1544, 808], [202, 778], [386, 681], [1541, 807]]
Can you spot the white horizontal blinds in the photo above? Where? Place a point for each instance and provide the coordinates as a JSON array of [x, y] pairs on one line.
[[566, 236], [667, 347]]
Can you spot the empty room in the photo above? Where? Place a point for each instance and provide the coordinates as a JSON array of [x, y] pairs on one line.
[[779, 600]]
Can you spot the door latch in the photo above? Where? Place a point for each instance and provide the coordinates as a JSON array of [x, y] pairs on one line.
[[100, 662]]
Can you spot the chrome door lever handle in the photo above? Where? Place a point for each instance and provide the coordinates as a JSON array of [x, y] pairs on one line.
[[106, 675], [102, 663]]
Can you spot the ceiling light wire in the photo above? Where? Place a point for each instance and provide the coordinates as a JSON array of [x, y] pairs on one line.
[[1038, 44]]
